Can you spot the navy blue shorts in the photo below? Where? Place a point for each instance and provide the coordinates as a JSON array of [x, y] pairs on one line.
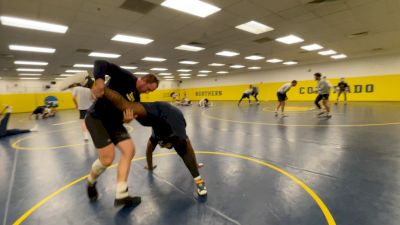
[[281, 97]]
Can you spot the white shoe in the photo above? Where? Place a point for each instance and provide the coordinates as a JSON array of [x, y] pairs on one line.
[[35, 128]]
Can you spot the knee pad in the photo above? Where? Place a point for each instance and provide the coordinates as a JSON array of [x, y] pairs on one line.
[[98, 168]]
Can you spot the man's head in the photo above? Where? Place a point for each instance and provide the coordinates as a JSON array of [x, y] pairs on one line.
[[342, 79], [147, 83], [317, 76], [294, 83]]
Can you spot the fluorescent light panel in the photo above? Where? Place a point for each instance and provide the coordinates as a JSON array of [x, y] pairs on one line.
[[104, 55], [75, 71], [188, 62], [29, 78], [254, 27], [227, 53], [169, 77], [32, 24], [340, 56], [185, 74], [153, 59], [31, 49], [67, 75], [83, 65], [191, 48], [274, 60], [202, 75], [205, 71], [132, 39], [141, 73], [237, 66], [290, 39], [30, 74], [33, 63], [327, 52], [254, 57], [312, 47], [193, 7], [29, 70], [254, 68], [129, 67], [159, 69], [222, 72], [184, 70], [216, 64], [290, 63], [164, 74]]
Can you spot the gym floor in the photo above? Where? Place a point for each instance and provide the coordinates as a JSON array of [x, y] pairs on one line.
[[259, 169]]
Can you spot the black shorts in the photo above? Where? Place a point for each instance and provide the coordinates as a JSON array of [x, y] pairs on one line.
[[105, 132], [281, 96], [323, 96], [82, 114], [245, 95]]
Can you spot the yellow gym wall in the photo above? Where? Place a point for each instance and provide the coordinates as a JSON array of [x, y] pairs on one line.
[[368, 88]]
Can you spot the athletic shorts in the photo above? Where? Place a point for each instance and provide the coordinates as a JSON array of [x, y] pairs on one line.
[[105, 132], [246, 95], [281, 96], [82, 114], [324, 96]]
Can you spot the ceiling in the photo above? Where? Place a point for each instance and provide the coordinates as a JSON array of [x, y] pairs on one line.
[[92, 24]]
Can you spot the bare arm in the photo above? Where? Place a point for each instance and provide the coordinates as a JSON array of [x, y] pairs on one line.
[[122, 104], [149, 156]]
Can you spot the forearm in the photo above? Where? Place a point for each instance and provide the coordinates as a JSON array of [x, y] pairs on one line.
[[149, 154], [122, 104]]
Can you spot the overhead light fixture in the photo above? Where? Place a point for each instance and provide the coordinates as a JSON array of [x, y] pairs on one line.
[[254, 27], [32, 24], [169, 77], [254, 68], [289, 63], [312, 47], [29, 70], [254, 57], [159, 69], [185, 74], [227, 53], [185, 77], [32, 63], [274, 60], [164, 74], [75, 71], [141, 73], [340, 56], [132, 39], [205, 71], [129, 67], [202, 75], [290, 39], [191, 48], [193, 7], [184, 70], [31, 49], [83, 65], [216, 64], [104, 55], [222, 72], [153, 59], [188, 62], [60, 78], [237, 66], [328, 52], [67, 75], [30, 74], [29, 78]]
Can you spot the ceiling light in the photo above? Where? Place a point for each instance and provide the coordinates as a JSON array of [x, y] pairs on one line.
[[222, 72], [205, 71], [32, 24], [164, 74], [30, 74], [254, 27], [191, 48], [185, 74], [194, 7], [237, 66], [341, 56], [67, 75], [31, 49], [141, 73], [30, 70], [216, 64], [153, 59], [290, 63], [75, 71], [254, 68], [328, 52], [129, 67], [169, 77], [33, 63], [290, 39], [132, 39], [202, 75], [83, 65], [29, 78], [159, 69], [312, 47], [185, 77], [227, 53], [254, 57], [184, 70], [104, 55], [188, 62], [274, 60]]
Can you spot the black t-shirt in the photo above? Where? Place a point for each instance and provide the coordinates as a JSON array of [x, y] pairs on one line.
[[121, 81], [343, 85]]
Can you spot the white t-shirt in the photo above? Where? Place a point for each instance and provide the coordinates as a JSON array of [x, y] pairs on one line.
[[285, 88], [324, 87], [84, 97]]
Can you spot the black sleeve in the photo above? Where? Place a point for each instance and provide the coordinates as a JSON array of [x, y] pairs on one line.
[[103, 68]]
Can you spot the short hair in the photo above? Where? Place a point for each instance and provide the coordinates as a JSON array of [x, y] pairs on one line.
[[294, 81], [150, 78], [317, 74]]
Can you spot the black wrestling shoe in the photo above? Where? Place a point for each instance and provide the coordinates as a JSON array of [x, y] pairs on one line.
[[92, 191], [128, 201]]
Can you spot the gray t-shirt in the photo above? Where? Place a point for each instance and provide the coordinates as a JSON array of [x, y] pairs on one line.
[[323, 87], [285, 88], [84, 97]]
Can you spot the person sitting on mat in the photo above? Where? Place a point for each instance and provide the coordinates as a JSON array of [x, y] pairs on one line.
[[4, 122]]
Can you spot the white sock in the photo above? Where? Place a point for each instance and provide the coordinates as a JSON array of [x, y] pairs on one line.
[[122, 190], [91, 179]]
